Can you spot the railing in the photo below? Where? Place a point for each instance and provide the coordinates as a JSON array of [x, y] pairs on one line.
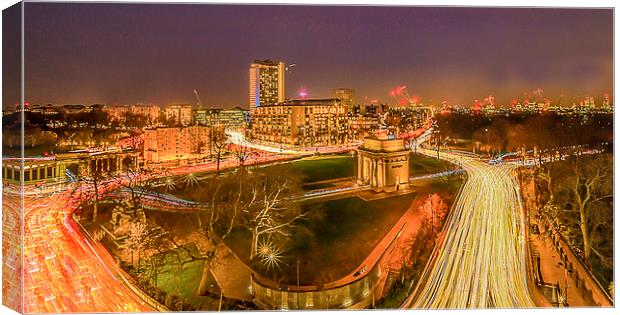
[[585, 281]]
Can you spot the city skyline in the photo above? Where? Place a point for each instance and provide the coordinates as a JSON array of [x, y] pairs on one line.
[[156, 55], [201, 157]]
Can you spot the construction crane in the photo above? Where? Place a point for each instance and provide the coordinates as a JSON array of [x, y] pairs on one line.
[[290, 67], [198, 98]]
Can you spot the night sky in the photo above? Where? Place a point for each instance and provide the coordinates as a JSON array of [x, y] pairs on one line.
[[160, 53]]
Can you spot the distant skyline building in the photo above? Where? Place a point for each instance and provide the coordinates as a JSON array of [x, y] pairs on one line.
[[266, 83], [119, 113], [346, 96], [179, 114]]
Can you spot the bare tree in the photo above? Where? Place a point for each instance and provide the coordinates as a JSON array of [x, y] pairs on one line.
[[219, 145], [543, 173], [269, 209], [137, 182], [137, 239], [581, 188], [242, 153], [92, 183]]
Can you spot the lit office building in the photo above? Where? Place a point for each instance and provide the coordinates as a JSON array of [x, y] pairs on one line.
[[346, 96], [234, 118], [266, 83], [360, 125], [201, 117]]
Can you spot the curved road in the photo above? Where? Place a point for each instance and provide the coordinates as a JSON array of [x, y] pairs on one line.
[[64, 271], [480, 260]]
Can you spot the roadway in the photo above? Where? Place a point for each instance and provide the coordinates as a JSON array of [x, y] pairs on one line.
[[64, 271], [480, 258]]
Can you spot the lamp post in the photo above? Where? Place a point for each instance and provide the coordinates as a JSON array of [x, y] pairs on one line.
[[436, 133]]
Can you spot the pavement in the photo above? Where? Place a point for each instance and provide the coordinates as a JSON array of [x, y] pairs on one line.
[[235, 285], [552, 268], [553, 271]]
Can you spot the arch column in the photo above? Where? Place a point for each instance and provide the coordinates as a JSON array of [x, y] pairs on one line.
[[359, 168], [380, 173], [373, 173]]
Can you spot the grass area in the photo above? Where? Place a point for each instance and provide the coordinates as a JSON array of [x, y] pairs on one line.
[[420, 165], [184, 280], [347, 232], [334, 244], [332, 167], [318, 169], [324, 168]]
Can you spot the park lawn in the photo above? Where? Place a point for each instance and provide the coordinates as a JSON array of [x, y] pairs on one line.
[[332, 167], [324, 168], [421, 165], [184, 281], [331, 247]]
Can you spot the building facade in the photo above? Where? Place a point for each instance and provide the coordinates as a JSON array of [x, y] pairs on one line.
[[383, 164], [234, 118], [176, 143], [346, 96], [119, 112], [302, 123], [60, 167], [266, 83], [150, 111], [360, 125], [178, 114]]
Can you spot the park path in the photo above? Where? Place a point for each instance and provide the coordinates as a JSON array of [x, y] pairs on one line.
[[231, 274], [551, 266]]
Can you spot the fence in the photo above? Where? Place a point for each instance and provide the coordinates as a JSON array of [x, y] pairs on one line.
[[589, 288]]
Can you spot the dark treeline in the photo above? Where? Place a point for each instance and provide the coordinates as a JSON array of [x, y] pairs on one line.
[[509, 133], [64, 131]]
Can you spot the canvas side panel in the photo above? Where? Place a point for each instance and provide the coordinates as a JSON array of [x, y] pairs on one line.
[[12, 158]]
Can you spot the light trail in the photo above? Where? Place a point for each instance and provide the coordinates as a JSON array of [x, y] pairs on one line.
[[64, 272], [238, 138], [480, 258]]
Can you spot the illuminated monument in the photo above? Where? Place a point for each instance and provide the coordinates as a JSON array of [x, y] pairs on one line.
[[383, 163]]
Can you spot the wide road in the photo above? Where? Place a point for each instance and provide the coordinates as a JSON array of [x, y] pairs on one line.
[[480, 260], [64, 272]]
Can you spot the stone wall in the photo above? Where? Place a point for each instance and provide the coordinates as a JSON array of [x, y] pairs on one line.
[[358, 293]]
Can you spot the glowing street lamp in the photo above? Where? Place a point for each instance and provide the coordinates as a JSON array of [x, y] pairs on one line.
[[269, 254]]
